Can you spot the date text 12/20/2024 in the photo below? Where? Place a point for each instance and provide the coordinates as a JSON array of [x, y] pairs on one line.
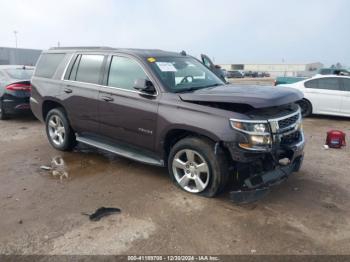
[[173, 258]]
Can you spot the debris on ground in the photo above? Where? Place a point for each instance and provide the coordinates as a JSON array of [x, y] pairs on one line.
[[46, 168], [102, 212], [20, 222], [326, 147], [335, 139], [57, 168]]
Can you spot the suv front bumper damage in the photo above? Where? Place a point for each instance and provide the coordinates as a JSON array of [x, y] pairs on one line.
[[254, 191], [258, 185]]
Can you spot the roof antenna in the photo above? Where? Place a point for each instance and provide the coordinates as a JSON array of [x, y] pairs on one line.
[[183, 53]]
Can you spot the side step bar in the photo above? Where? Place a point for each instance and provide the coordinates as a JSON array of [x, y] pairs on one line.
[[122, 150]]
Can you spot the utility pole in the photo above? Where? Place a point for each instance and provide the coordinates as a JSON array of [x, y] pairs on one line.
[[16, 51], [16, 32]]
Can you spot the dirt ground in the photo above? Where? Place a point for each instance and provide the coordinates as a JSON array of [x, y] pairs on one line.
[[41, 214]]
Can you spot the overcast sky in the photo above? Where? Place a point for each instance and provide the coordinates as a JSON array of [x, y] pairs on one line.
[[231, 31]]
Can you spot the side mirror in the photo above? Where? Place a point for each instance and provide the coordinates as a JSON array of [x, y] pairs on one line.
[[145, 86], [217, 67]]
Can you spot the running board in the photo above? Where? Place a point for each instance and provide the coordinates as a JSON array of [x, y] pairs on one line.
[[121, 150]]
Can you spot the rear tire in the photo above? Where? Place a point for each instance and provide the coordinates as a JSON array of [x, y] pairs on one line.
[[195, 168], [59, 132], [306, 107], [3, 115]]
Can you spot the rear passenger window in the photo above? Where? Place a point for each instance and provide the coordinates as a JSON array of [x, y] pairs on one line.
[[311, 84], [123, 73], [89, 68], [346, 84], [329, 84], [47, 65]]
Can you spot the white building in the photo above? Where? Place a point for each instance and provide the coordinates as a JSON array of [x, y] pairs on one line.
[[277, 69]]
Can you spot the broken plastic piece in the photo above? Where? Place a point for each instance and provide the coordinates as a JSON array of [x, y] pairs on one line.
[[47, 168], [102, 212]]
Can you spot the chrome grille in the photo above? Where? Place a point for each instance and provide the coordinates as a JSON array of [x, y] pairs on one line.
[[285, 129], [291, 139], [288, 122]]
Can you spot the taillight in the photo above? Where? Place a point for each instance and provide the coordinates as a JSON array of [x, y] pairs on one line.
[[19, 87]]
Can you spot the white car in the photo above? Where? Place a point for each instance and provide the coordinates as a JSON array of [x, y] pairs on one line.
[[324, 95]]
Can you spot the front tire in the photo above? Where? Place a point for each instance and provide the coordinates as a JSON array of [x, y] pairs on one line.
[[195, 168], [306, 107], [59, 132]]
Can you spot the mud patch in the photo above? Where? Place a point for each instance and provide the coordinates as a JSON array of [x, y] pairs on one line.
[[184, 202], [108, 237]]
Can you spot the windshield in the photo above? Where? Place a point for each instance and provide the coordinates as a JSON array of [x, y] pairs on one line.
[[20, 73], [183, 74]]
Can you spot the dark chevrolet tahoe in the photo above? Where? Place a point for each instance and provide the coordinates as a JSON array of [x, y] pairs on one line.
[[168, 109]]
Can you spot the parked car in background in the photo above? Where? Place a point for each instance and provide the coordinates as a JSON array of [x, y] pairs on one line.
[[251, 74], [326, 95], [234, 74], [168, 109], [14, 89], [333, 71], [282, 80]]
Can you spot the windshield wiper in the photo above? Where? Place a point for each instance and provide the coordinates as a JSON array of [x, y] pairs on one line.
[[191, 89], [213, 85]]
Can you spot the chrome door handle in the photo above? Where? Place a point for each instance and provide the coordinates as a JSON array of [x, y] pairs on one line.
[[107, 98], [68, 90]]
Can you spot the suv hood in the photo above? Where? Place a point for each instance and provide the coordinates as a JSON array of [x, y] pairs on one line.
[[255, 96]]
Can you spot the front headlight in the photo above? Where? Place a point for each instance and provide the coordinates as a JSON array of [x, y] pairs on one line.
[[258, 135]]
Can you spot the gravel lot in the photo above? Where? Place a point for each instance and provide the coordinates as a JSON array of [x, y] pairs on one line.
[[41, 214]]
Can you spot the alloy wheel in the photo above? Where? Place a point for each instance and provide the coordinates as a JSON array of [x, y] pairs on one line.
[[57, 130], [191, 171]]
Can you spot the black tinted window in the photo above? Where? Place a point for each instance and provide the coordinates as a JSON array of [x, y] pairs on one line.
[[311, 84], [328, 84], [123, 73], [89, 68], [346, 84], [48, 64]]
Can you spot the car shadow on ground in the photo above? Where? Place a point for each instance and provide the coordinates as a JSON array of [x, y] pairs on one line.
[[29, 117]]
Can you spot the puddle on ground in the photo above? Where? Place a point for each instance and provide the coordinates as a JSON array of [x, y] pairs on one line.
[[85, 161]]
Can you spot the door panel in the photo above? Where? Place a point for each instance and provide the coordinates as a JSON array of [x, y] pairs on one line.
[[128, 117], [81, 92], [345, 104], [81, 103], [325, 95]]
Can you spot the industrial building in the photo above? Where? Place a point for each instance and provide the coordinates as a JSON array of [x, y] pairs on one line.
[[298, 70], [18, 56]]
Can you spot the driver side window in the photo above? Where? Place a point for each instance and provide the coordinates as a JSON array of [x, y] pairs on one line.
[[123, 73]]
